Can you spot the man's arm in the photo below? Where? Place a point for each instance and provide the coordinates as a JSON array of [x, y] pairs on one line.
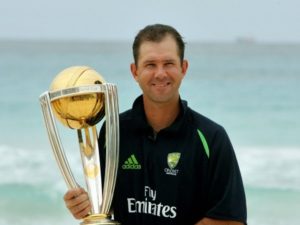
[[208, 221]]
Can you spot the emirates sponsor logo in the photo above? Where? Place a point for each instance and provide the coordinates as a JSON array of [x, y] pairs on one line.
[[150, 206]]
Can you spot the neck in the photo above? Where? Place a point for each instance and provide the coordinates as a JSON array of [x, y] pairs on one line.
[[161, 115]]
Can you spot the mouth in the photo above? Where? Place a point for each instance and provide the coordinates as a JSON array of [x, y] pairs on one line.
[[161, 85]]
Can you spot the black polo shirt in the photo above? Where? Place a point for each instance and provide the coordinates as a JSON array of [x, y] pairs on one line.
[[178, 176]]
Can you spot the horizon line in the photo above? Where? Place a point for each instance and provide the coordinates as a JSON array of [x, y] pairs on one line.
[[124, 41]]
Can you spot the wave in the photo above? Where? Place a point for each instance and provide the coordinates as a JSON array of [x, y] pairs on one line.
[[261, 167], [270, 167], [32, 188], [34, 168]]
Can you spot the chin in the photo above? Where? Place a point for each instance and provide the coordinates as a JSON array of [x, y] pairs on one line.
[[161, 99]]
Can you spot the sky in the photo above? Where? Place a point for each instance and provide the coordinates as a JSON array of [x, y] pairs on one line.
[[109, 20]]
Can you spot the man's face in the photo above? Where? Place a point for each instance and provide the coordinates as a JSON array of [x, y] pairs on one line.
[[159, 70]]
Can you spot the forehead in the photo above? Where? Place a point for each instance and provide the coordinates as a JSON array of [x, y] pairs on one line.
[[166, 47]]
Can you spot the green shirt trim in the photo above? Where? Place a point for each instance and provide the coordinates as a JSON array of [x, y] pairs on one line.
[[204, 142]]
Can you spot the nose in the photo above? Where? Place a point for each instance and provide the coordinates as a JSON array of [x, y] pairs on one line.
[[160, 72]]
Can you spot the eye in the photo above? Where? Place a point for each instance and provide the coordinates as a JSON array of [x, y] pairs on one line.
[[150, 65], [169, 64]]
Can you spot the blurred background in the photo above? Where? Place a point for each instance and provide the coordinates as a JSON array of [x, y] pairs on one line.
[[244, 73]]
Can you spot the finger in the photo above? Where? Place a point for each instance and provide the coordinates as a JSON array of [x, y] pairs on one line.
[[78, 208], [84, 213], [78, 200], [73, 193], [81, 210]]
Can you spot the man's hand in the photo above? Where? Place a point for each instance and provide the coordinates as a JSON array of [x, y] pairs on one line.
[[208, 221], [77, 201]]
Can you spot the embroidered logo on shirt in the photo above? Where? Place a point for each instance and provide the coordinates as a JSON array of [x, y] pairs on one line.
[[172, 160], [131, 164]]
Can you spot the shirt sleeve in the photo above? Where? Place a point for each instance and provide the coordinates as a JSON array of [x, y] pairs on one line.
[[226, 195]]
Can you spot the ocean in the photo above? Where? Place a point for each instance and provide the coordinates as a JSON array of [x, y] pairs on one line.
[[252, 89]]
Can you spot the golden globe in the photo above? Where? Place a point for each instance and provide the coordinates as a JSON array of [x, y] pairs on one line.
[[78, 111]]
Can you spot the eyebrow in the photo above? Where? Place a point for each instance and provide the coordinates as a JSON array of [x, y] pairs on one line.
[[153, 61]]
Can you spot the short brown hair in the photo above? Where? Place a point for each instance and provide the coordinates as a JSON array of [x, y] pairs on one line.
[[156, 33]]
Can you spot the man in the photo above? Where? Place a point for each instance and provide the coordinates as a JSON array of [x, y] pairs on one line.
[[176, 166]]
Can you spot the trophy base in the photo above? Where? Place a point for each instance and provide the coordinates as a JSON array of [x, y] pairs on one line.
[[98, 219]]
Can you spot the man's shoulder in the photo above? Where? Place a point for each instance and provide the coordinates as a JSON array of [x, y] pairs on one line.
[[126, 119], [204, 124], [126, 115], [203, 121]]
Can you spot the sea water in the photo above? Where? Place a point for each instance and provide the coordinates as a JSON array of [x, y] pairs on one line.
[[250, 89]]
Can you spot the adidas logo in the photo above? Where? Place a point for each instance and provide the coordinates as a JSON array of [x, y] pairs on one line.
[[131, 164]]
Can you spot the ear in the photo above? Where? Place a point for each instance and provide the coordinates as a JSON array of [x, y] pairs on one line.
[[133, 70], [184, 67]]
